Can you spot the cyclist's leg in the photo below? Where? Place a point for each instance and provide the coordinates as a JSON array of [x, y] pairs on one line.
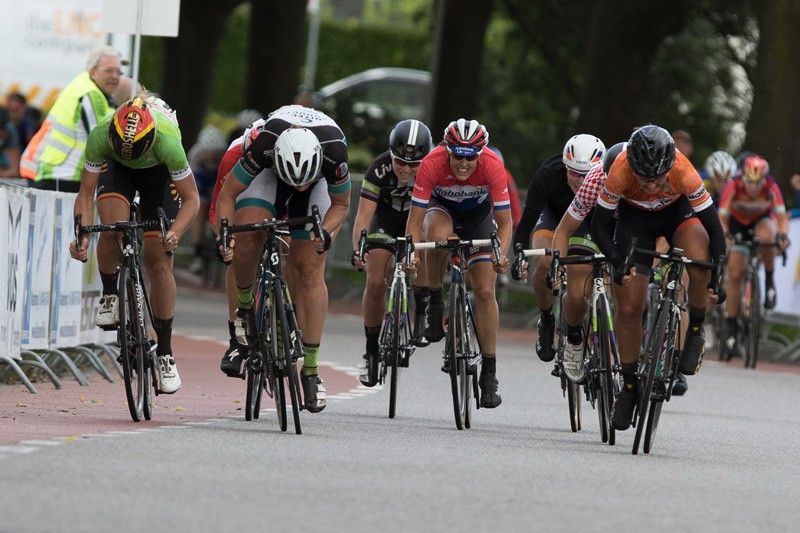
[[765, 231], [437, 226]]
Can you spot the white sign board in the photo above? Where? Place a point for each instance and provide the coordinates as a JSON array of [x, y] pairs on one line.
[[159, 17]]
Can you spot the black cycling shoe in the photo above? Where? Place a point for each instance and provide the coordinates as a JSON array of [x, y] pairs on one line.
[[418, 338], [314, 393], [544, 339], [489, 395], [245, 325], [446, 365], [680, 386], [368, 370], [231, 363], [624, 404], [693, 350], [433, 329], [732, 348], [770, 298]]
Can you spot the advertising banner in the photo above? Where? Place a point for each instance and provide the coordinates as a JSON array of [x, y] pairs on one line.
[[37, 302], [67, 279], [13, 247]]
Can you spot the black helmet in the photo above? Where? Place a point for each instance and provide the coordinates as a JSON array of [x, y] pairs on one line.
[[410, 140], [651, 151]]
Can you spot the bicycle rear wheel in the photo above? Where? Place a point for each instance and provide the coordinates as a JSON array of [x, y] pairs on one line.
[[647, 372], [132, 339], [460, 380]]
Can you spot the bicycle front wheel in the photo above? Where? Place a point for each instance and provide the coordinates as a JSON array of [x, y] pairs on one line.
[[754, 325], [255, 386], [648, 369], [132, 341], [605, 361], [289, 343], [394, 353], [460, 381]]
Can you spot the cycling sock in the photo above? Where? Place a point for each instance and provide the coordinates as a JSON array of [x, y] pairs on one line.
[[245, 297], [421, 297], [769, 282], [547, 314], [697, 316], [436, 296], [628, 371], [163, 327], [489, 364], [110, 282], [733, 325], [310, 360], [575, 334], [372, 334], [232, 332]]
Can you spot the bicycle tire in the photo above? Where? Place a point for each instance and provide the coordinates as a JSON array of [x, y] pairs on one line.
[[131, 336], [394, 354], [605, 375], [647, 371], [459, 377], [290, 343], [652, 425], [255, 386], [574, 402], [272, 362], [755, 323], [150, 368], [573, 389]]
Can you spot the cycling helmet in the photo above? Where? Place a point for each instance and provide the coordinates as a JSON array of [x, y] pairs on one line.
[[651, 151], [132, 132], [298, 156], [582, 151], [466, 137], [754, 169], [611, 155], [720, 164], [252, 131], [410, 140]]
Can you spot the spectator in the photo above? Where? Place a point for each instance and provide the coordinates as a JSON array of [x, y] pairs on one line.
[[683, 142], [22, 117], [304, 97], [204, 159], [9, 146], [244, 118], [54, 158]]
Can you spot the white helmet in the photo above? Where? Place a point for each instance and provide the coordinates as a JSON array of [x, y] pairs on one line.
[[720, 164], [582, 151], [298, 156]]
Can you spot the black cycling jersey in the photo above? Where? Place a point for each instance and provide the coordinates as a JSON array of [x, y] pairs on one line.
[[382, 186], [259, 153], [548, 189]]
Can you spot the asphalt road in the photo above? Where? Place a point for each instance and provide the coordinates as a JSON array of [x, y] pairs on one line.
[[725, 459]]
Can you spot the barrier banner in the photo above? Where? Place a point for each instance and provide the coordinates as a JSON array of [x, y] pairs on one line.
[[787, 278], [37, 302], [13, 247], [67, 279], [91, 291]]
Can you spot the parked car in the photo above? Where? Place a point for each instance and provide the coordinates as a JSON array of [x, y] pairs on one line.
[[368, 104]]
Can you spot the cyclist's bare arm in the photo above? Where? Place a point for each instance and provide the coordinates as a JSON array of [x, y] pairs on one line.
[[190, 205], [84, 206], [504, 228], [366, 210], [416, 215], [334, 217], [226, 202]]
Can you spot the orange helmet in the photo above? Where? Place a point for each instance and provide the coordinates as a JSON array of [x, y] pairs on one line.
[[754, 169]]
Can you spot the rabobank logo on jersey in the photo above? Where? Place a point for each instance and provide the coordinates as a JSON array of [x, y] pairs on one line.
[[459, 193]]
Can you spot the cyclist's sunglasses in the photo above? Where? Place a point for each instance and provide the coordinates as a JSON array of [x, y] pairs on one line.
[[460, 151], [403, 163]]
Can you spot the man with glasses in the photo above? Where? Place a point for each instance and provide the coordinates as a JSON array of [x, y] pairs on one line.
[[383, 212], [549, 195], [656, 192], [54, 157], [460, 189]]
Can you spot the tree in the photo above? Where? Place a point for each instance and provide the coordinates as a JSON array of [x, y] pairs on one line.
[[276, 45], [189, 62], [457, 59], [772, 130]]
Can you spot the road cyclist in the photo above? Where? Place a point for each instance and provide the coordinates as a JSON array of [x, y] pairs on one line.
[[296, 159], [461, 184], [383, 207], [137, 148]]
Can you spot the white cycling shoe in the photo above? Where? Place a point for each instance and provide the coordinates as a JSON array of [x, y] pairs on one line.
[[169, 381]]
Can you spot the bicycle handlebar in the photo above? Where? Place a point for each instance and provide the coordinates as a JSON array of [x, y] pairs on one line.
[[394, 242], [753, 244], [520, 254], [226, 230], [162, 224]]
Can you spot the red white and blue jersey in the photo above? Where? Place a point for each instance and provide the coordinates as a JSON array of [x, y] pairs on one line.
[[435, 179]]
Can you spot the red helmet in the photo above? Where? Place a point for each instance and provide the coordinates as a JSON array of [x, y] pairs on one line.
[[466, 137], [133, 130]]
